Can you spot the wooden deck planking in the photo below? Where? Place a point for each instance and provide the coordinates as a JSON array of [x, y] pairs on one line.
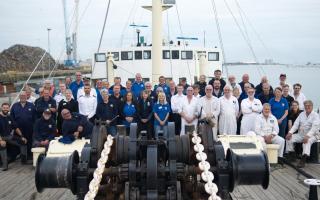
[[285, 184]]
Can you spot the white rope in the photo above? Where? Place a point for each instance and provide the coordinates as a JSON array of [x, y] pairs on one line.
[[97, 175], [207, 176]]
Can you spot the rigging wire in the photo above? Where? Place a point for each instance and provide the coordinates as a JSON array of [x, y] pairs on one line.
[[102, 33], [85, 10], [243, 35], [219, 35], [36, 67], [132, 10], [184, 45]]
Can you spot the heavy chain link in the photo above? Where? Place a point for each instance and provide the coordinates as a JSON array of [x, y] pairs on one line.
[[97, 175], [207, 176]]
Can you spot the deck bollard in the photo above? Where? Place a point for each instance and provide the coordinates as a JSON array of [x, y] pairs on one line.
[[313, 183]]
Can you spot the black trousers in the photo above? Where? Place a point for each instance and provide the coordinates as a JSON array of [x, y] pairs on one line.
[[14, 146], [176, 118], [146, 127]]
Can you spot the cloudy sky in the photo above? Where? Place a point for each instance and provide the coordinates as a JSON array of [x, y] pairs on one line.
[[290, 29]]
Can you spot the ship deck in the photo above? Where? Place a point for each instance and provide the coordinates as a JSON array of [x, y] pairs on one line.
[[285, 183]]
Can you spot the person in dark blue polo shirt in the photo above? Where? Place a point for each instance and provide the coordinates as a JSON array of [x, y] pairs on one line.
[[162, 83], [24, 114], [46, 102], [108, 111], [128, 111], [161, 112], [145, 114], [75, 126], [44, 130], [266, 94], [75, 85], [11, 139], [137, 86], [280, 109]]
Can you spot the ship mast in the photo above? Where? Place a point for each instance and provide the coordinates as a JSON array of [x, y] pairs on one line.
[[157, 7]]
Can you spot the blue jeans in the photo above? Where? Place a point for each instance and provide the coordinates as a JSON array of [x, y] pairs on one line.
[[157, 128]]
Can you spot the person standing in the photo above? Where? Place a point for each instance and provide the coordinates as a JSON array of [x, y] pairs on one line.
[[76, 85], [189, 111], [233, 84], [245, 79], [259, 87], [128, 111], [61, 94], [266, 94], [266, 129], [229, 110], [298, 95], [24, 114], [209, 108], [108, 111], [251, 108], [305, 124], [176, 103], [138, 86], [217, 91], [161, 112], [217, 76], [145, 114], [45, 102], [202, 84], [88, 104], [162, 83], [280, 109], [286, 95]]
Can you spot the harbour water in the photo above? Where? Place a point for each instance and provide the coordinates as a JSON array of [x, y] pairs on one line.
[[307, 76]]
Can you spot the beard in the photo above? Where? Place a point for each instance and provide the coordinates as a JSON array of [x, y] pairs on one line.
[[5, 112]]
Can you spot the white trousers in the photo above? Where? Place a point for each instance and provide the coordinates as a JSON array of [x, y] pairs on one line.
[[275, 140], [298, 138]]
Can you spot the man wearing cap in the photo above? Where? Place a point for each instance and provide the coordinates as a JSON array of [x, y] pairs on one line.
[[75, 126], [46, 102], [44, 130], [283, 82], [11, 139], [137, 86], [24, 114], [75, 85], [87, 103], [108, 111]]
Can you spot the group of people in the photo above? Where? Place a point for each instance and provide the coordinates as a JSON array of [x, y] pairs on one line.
[[280, 115]]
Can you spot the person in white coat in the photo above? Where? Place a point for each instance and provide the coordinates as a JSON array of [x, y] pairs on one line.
[[209, 107], [267, 129], [233, 84], [305, 124], [88, 103], [251, 108], [189, 110], [298, 95], [229, 109]]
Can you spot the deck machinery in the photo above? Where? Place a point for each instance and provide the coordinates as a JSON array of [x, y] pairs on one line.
[[140, 168]]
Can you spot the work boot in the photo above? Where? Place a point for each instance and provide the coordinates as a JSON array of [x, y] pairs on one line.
[[4, 159], [302, 162]]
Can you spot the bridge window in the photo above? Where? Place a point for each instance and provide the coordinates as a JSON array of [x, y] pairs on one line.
[[213, 56], [186, 55], [166, 54], [147, 55], [126, 55], [115, 56], [138, 55], [175, 54], [100, 57]]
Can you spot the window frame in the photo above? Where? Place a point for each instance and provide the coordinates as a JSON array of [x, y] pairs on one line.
[[128, 52]]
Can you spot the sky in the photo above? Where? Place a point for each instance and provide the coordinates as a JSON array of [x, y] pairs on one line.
[[289, 29]]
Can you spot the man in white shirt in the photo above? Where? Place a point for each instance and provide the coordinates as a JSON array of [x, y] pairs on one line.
[[233, 84], [209, 107], [87, 104], [229, 109], [86, 81], [298, 95], [189, 111], [251, 108], [176, 106], [305, 124], [267, 129]]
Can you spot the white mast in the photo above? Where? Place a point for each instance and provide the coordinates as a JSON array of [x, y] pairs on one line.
[[156, 55]]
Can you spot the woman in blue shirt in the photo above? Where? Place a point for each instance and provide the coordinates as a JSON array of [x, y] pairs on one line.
[[161, 112], [279, 108], [128, 111]]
